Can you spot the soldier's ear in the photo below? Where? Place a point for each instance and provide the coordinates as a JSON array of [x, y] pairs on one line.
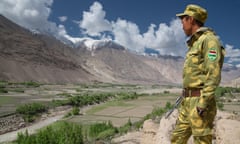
[[191, 19], [194, 21]]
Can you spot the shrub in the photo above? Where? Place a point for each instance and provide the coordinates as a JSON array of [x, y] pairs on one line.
[[127, 96], [166, 92], [75, 110], [3, 90], [31, 84], [56, 103], [31, 108], [102, 130], [126, 127], [168, 106], [220, 105], [30, 111], [60, 133]]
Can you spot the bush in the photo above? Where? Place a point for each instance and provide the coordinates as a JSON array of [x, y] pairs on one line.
[[127, 96], [220, 91], [106, 134], [30, 111], [3, 90], [75, 110], [220, 105], [168, 106], [126, 127], [56, 103], [102, 130], [30, 84], [60, 133], [166, 92]]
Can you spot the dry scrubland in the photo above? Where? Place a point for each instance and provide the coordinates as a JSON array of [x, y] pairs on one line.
[[118, 112]]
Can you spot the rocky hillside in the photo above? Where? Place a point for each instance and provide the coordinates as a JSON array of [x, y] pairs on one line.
[[118, 65], [227, 129], [26, 56], [29, 56]]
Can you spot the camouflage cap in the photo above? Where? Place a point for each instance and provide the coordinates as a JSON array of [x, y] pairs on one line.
[[195, 11]]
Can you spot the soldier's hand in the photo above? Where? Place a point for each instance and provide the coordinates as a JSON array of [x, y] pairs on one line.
[[200, 111]]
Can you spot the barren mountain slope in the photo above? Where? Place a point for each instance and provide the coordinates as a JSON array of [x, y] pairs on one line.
[[230, 75], [27, 56], [169, 67], [120, 65]]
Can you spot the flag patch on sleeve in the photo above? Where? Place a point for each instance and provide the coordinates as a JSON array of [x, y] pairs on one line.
[[212, 54]]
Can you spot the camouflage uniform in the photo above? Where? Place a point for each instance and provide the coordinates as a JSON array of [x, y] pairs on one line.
[[202, 70]]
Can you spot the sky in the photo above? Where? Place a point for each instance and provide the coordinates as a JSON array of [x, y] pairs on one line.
[[136, 24]]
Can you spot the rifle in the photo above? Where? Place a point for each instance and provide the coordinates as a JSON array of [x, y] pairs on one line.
[[178, 101]]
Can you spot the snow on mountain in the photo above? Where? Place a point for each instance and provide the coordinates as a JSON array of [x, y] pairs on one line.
[[35, 32], [92, 45]]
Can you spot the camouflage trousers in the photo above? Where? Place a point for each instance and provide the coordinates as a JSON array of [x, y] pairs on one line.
[[190, 123]]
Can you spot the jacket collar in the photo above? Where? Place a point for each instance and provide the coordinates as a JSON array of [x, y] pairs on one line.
[[197, 34]]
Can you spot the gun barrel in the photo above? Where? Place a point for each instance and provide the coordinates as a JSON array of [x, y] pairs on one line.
[[168, 113], [178, 101]]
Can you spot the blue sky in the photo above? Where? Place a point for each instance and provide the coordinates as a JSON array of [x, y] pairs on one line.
[[134, 24]]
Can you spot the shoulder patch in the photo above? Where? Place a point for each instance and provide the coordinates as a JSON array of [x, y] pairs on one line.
[[212, 54]]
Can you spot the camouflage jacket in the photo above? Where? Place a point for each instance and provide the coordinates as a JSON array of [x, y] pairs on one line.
[[203, 63]]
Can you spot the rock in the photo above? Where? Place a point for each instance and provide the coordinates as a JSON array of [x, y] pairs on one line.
[[129, 138], [21, 125], [227, 129], [11, 123], [165, 128], [149, 132]]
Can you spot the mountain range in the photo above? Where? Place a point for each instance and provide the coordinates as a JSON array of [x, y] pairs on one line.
[[27, 55]]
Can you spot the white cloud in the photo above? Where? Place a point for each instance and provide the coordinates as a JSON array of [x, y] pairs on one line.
[[63, 33], [232, 55], [93, 21], [231, 51], [61, 30], [63, 18], [166, 39], [127, 34], [32, 14]]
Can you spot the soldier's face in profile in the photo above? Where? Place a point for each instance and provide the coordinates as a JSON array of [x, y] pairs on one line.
[[186, 24]]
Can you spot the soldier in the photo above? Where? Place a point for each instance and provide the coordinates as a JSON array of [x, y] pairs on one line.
[[201, 76]]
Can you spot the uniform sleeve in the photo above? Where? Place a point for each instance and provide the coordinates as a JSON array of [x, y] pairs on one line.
[[213, 59]]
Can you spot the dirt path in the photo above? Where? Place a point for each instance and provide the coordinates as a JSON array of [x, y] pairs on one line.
[[31, 129]]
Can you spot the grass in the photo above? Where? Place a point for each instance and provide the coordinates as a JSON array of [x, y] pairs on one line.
[[107, 105], [7, 100], [156, 96]]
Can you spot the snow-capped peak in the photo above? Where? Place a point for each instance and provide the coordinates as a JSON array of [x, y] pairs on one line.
[[92, 44], [34, 31]]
